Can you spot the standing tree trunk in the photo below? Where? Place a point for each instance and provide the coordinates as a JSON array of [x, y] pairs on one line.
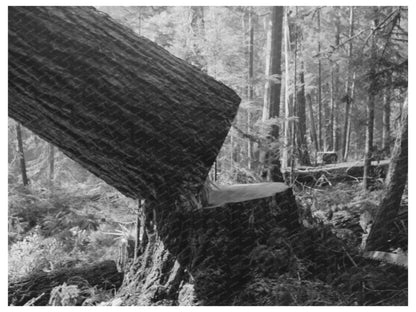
[[386, 117], [347, 143], [287, 113], [325, 115], [332, 101], [294, 112], [266, 97], [51, 164], [396, 181], [250, 91], [21, 153], [334, 88], [302, 143], [314, 138], [347, 97], [319, 82], [370, 107], [272, 93], [198, 37]]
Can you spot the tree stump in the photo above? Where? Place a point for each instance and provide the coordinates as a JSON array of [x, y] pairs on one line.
[[207, 255], [150, 125]]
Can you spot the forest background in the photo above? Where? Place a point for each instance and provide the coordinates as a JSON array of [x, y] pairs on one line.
[[340, 68]]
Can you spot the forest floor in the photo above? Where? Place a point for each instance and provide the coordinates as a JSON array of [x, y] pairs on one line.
[[64, 229]]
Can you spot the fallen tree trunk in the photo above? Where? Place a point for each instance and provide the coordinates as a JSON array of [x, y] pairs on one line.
[[118, 104], [207, 255], [103, 275], [339, 172]]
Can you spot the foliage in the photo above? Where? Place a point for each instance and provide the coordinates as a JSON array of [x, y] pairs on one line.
[[35, 253], [64, 295], [290, 291]]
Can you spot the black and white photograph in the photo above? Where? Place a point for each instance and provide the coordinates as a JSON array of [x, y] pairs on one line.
[[207, 155]]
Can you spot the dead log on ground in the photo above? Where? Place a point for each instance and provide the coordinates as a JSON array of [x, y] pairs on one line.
[[103, 275], [339, 172]]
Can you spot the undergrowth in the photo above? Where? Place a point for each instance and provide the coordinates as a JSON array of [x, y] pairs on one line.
[[320, 265], [66, 228]]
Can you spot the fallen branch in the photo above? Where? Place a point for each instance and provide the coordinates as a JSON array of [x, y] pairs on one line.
[[29, 290]]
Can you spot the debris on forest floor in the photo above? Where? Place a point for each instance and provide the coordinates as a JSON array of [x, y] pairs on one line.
[[323, 260], [66, 287], [350, 211]]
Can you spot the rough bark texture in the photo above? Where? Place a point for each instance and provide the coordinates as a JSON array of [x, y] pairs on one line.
[[103, 275], [21, 152], [51, 164], [318, 15], [250, 84], [347, 96], [127, 110], [369, 134], [396, 182], [286, 37], [206, 255], [386, 117], [314, 137], [272, 92], [198, 36], [348, 138], [301, 133], [334, 87]]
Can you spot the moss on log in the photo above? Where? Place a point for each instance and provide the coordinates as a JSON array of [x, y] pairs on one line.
[[103, 275], [123, 107]]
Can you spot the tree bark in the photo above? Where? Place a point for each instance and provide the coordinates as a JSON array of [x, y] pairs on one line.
[[21, 153], [334, 85], [287, 100], [203, 255], [314, 138], [151, 125], [396, 181], [139, 118], [347, 96], [250, 86], [198, 37], [386, 117], [318, 14], [334, 125], [347, 142], [294, 110], [302, 143], [370, 108], [51, 164], [272, 93]]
